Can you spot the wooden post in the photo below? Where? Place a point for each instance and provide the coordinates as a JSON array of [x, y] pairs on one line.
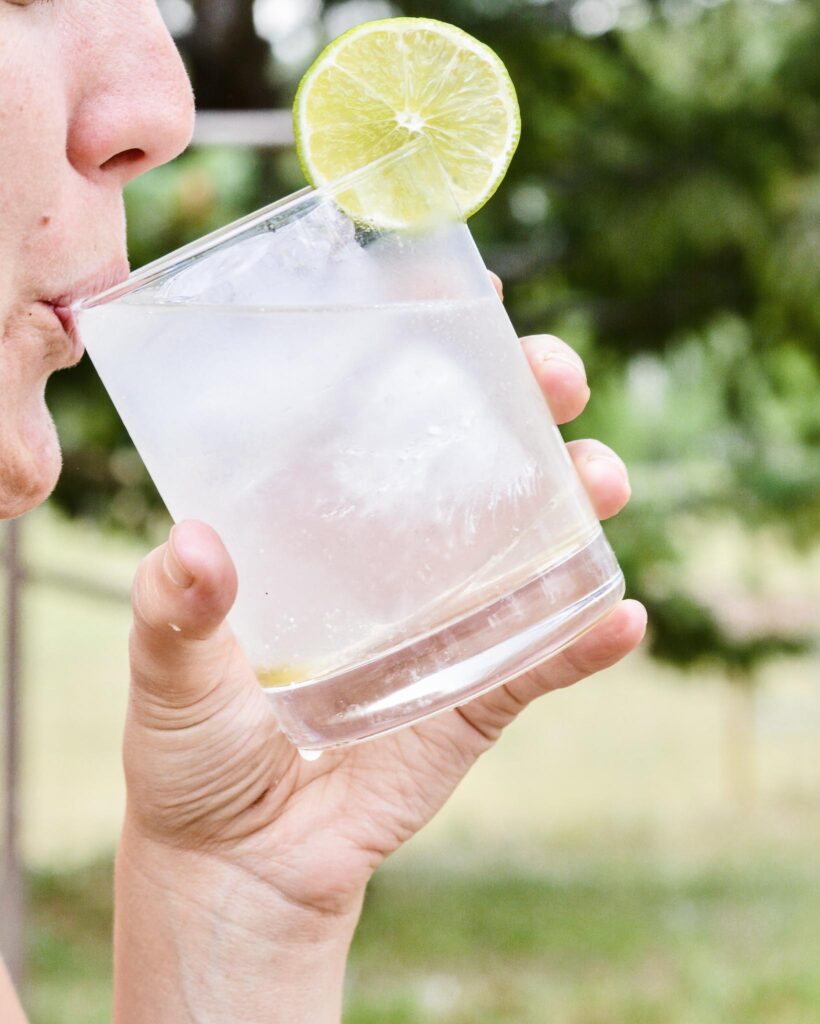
[[11, 890]]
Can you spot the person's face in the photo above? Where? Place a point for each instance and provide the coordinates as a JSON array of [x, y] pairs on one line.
[[92, 93]]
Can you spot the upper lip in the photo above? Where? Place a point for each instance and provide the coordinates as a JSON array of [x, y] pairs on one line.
[[85, 287]]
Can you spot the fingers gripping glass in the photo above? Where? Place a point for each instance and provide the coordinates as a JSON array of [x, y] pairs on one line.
[[348, 405]]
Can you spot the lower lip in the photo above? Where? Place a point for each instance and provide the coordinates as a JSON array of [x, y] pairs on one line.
[[66, 318]]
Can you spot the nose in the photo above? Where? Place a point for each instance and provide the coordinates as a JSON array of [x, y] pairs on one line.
[[134, 105]]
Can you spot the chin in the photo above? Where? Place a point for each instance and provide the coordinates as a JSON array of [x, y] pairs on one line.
[[29, 466]]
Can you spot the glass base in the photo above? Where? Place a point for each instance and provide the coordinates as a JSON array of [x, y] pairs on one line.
[[441, 670]]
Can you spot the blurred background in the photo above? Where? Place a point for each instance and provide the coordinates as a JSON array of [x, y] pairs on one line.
[[646, 847]]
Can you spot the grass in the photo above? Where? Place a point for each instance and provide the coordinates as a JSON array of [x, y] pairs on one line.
[[600, 947], [595, 946], [69, 954]]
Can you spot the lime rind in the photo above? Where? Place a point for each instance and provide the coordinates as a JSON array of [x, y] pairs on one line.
[[474, 133]]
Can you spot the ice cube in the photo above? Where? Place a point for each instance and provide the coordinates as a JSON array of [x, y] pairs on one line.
[[417, 401], [313, 261]]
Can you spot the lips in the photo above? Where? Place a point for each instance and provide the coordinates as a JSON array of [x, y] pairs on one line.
[[62, 305], [84, 288], [64, 316]]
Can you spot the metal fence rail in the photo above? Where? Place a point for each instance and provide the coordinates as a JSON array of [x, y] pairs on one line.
[[11, 892], [271, 129]]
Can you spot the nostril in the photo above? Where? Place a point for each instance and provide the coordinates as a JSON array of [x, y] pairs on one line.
[[127, 158]]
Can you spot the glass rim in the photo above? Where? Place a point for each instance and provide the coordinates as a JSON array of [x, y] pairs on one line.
[[162, 265]]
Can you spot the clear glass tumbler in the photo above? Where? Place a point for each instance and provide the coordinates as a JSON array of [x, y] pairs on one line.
[[350, 408]]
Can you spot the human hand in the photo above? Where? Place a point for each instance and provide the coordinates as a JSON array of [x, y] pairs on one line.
[[281, 848]]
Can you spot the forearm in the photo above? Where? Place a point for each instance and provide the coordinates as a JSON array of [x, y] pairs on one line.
[[10, 1010], [198, 941]]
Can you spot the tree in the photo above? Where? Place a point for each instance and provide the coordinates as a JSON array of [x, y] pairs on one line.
[[229, 64]]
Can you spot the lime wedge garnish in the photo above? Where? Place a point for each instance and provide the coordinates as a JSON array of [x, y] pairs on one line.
[[384, 83]]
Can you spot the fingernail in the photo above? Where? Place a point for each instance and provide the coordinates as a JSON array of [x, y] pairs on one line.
[[566, 360], [605, 455], [174, 569]]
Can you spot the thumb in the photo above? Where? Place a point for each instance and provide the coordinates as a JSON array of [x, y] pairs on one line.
[[180, 644]]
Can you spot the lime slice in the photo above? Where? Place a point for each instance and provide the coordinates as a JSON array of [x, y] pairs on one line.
[[384, 83]]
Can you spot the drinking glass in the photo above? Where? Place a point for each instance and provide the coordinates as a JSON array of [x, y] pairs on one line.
[[348, 405]]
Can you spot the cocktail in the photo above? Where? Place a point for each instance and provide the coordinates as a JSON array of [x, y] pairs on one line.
[[343, 398]]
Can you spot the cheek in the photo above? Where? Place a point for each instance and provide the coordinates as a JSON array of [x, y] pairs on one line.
[[32, 189], [33, 119]]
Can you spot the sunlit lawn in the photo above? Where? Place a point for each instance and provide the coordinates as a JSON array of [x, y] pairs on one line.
[[591, 947]]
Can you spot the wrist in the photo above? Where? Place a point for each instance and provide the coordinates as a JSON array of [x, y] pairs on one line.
[[200, 939]]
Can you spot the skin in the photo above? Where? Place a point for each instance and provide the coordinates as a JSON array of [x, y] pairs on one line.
[[77, 122], [241, 870]]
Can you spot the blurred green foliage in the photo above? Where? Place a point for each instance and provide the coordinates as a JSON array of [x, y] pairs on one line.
[[662, 214]]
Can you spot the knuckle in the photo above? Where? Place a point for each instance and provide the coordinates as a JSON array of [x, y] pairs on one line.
[[147, 598]]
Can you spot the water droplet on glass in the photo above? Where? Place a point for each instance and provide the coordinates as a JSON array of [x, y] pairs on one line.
[[309, 755]]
